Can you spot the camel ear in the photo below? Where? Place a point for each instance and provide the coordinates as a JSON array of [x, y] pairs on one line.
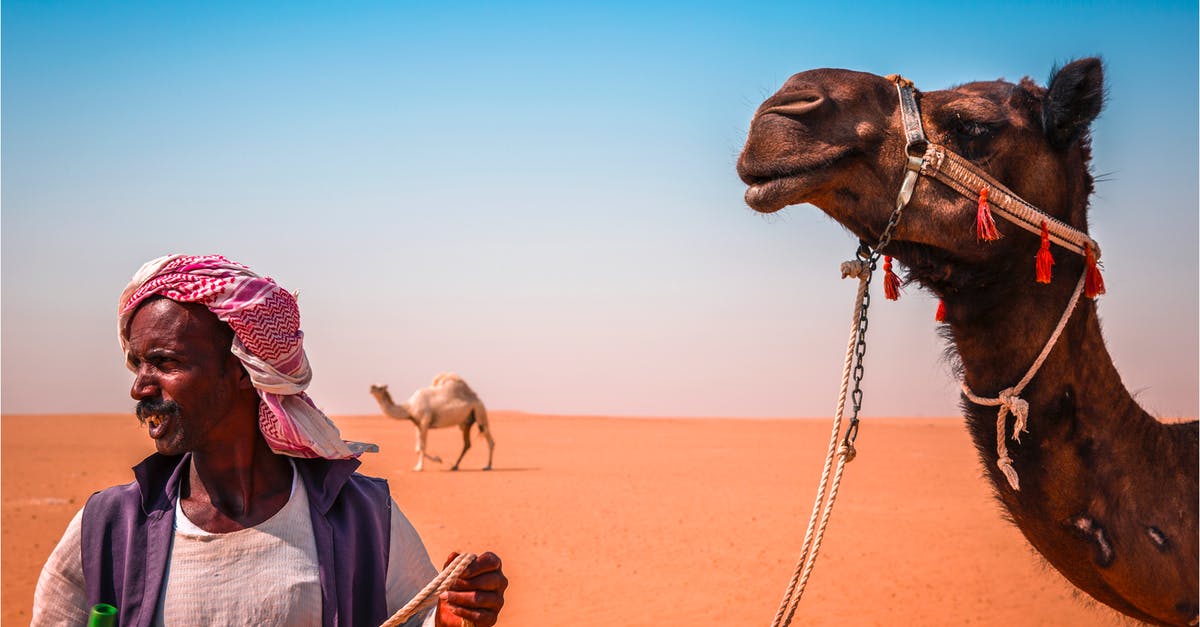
[[1073, 100]]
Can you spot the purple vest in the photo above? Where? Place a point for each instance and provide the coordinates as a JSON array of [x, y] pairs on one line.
[[127, 533]]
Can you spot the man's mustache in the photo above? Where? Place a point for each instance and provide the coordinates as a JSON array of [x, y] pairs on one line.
[[155, 407]]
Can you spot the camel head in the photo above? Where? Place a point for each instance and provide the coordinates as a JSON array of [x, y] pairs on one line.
[[390, 408], [834, 138], [382, 396]]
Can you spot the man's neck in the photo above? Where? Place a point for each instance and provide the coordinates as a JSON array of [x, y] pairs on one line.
[[237, 488]]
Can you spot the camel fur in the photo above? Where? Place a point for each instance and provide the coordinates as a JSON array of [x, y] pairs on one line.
[[1108, 493], [447, 402]]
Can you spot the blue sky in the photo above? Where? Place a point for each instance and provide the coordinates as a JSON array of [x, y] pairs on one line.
[[540, 197]]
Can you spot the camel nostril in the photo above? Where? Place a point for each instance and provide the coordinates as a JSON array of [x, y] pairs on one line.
[[797, 104]]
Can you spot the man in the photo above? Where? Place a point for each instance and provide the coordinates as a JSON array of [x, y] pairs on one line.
[[250, 511]]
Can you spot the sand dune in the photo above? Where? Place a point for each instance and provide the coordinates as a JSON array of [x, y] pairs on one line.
[[624, 521]]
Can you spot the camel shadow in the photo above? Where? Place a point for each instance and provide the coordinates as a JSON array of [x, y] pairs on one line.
[[480, 470]]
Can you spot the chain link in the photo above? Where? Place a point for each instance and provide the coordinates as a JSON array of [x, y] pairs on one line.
[[860, 351], [886, 238], [871, 256]]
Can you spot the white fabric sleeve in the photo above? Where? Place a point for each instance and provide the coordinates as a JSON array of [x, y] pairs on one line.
[[60, 598], [409, 568]]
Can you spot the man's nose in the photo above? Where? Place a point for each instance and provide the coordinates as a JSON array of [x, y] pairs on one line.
[[144, 384]]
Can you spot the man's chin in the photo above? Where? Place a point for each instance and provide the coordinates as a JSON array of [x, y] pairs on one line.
[[167, 447]]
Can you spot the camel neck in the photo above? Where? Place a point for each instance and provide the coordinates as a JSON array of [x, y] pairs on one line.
[[999, 342], [1097, 496], [393, 409]]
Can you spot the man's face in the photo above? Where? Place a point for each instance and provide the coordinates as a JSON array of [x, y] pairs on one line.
[[185, 379]]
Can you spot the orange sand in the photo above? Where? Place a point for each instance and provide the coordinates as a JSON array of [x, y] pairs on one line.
[[620, 521]]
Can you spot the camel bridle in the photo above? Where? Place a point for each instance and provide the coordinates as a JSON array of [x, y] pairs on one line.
[[938, 162], [968, 179], [964, 177]]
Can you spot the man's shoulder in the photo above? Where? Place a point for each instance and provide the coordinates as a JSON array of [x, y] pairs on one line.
[[336, 480], [115, 507], [368, 479], [376, 487], [115, 494], [150, 479]]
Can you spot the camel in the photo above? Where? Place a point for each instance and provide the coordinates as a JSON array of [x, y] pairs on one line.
[[1107, 493], [447, 402]]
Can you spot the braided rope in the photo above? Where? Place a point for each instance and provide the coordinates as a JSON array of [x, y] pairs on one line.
[[1009, 399], [823, 505], [438, 585]]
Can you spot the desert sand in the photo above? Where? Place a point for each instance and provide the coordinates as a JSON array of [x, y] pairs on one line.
[[629, 521]]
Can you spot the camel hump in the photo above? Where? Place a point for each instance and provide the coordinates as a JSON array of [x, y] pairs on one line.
[[446, 377], [454, 385]]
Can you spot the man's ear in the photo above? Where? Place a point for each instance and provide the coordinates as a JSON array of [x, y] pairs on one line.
[[1073, 100], [243, 378], [244, 382]]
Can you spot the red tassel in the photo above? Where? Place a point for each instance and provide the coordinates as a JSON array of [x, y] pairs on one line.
[[1044, 260], [891, 282], [940, 316], [985, 226], [1093, 285]]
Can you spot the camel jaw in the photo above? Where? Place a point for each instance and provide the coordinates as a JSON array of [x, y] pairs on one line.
[[803, 183], [773, 195], [798, 175]]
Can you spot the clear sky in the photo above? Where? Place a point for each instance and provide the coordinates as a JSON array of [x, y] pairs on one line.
[[540, 196]]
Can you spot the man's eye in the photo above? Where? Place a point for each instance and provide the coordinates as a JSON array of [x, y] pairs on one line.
[[163, 363]]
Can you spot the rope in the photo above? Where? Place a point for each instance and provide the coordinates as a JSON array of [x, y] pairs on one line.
[[440, 584], [824, 503], [1009, 399]]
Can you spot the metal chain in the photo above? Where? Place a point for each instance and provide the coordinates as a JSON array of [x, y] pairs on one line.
[[860, 350], [886, 238], [871, 257]]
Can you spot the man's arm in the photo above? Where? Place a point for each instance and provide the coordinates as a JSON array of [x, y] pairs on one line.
[[409, 568], [60, 598]]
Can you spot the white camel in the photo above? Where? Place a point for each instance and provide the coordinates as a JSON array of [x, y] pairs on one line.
[[448, 402]]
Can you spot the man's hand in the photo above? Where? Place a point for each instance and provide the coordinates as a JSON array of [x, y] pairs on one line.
[[476, 596]]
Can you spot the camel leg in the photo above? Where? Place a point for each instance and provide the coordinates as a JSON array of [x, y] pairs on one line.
[[466, 431], [422, 437], [487, 434], [424, 450], [420, 450]]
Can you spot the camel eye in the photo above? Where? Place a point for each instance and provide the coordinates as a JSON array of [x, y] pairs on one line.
[[973, 137], [973, 130]]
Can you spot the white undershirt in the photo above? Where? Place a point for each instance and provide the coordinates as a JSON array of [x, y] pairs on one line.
[[272, 566], [261, 575]]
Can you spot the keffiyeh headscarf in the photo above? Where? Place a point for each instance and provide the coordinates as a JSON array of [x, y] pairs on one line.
[[267, 339]]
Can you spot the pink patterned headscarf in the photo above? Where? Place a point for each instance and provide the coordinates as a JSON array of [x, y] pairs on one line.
[[267, 339]]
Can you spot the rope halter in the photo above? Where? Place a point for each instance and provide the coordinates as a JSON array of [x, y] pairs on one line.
[[993, 197]]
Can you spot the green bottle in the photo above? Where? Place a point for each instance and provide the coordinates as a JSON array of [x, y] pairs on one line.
[[103, 615]]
